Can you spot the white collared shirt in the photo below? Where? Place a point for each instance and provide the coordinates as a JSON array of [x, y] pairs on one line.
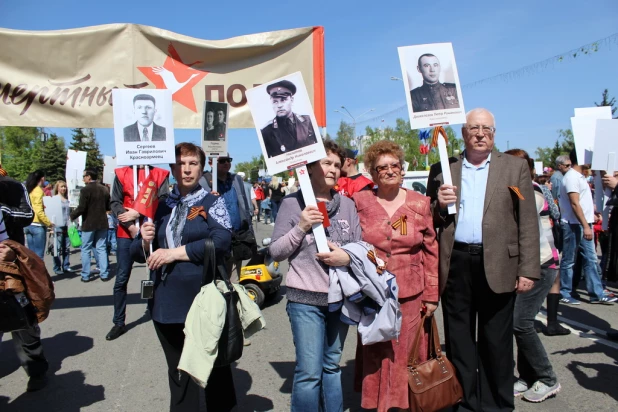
[[140, 129]]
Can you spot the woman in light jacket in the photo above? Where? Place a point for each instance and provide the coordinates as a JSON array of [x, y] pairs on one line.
[[62, 235], [318, 333], [37, 231]]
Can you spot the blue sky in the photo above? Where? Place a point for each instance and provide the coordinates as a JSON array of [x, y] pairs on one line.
[[362, 37]]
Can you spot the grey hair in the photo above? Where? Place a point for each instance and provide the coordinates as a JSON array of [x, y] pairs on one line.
[[562, 159], [479, 110]]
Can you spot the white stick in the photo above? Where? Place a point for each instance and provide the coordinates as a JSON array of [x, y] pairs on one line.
[[146, 173], [215, 160], [611, 163], [135, 190], [55, 237], [309, 197], [446, 169]]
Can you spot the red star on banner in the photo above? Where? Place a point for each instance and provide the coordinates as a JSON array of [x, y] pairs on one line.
[[176, 76]]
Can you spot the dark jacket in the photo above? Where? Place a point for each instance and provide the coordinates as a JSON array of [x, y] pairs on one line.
[[439, 96], [278, 140], [183, 280], [93, 207], [16, 208], [510, 225], [131, 133]]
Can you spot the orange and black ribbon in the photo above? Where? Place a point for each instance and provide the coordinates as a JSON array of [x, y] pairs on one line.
[[515, 190], [437, 131], [371, 255], [195, 211], [402, 224]]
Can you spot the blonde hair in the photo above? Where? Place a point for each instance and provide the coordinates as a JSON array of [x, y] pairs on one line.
[[274, 183], [57, 186]]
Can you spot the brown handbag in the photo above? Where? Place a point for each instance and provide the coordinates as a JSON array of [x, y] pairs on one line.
[[432, 384]]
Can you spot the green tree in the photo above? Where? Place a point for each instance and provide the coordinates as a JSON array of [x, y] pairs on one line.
[[20, 148], [608, 102], [345, 135], [564, 144], [84, 140], [53, 159], [251, 168]]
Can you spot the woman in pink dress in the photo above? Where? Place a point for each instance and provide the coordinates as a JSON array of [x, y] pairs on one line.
[[398, 223]]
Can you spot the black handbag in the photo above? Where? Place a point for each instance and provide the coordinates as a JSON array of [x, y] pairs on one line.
[[230, 344], [15, 315], [243, 243]]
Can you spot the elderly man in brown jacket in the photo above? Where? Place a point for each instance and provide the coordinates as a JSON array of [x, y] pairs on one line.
[[489, 250]]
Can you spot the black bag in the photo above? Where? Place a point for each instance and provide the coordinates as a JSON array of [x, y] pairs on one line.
[[13, 315], [244, 244], [230, 344]]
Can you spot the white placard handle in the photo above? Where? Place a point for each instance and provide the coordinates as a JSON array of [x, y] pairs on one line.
[[215, 161], [309, 198], [446, 169], [611, 163]]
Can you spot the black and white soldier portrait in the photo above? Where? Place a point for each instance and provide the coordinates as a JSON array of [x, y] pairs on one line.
[[433, 95], [144, 129], [287, 131]]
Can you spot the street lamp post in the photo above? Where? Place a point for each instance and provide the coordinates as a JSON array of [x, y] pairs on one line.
[[358, 139]]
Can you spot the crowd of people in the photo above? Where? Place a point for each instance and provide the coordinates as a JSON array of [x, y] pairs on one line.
[[516, 240]]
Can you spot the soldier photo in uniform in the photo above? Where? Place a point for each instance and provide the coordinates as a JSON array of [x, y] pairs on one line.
[[433, 95], [431, 84], [287, 131]]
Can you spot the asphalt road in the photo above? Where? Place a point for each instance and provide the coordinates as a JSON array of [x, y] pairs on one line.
[[88, 373]]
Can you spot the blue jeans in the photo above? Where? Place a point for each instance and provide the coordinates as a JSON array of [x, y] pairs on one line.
[[112, 244], [532, 361], [274, 209], [574, 242], [124, 264], [63, 245], [98, 239], [318, 338], [36, 238]]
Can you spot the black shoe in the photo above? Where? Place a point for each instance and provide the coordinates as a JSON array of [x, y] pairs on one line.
[[556, 329], [105, 279], [36, 383], [612, 335], [116, 332], [86, 280]]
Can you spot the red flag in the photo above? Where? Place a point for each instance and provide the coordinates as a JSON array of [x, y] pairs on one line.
[[147, 199]]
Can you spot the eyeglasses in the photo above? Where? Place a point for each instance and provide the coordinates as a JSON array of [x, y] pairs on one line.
[[566, 165], [486, 129], [226, 160], [395, 167]]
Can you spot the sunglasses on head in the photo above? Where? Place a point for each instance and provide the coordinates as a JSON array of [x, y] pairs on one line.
[[224, 160]]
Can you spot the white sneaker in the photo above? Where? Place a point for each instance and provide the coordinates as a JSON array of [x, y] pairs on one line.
[[272, 224], [520, 387], [539, 392]]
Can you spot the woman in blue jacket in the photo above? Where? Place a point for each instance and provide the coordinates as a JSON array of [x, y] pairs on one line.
[[181, 223]]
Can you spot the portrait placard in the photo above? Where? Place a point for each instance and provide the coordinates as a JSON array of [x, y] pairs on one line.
[[431, 84], [605, 147], [53, 209], [76, 164], [285, 123], [143, 126], [214, 128], [538, 168], [109, 165], [602, 112]]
